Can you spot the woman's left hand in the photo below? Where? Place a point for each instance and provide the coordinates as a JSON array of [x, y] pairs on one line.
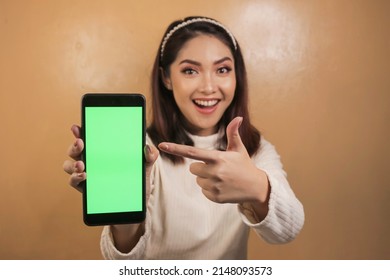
[[226, 176]]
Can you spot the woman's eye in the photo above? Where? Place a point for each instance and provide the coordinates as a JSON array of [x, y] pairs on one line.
[[224, 70], [189, 71]]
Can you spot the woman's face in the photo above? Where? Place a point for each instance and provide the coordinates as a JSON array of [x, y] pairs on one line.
[[203, 82]]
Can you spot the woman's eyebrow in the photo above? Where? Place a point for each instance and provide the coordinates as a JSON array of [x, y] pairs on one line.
[[223, 60], [190, 61], [226, 58]]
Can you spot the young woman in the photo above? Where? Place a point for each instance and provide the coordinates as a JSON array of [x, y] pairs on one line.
[[210, 175]]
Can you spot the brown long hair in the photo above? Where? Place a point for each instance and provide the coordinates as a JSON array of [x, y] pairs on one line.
[[167, 120]]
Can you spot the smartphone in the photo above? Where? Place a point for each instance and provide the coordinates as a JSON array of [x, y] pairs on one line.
[[113, 130]]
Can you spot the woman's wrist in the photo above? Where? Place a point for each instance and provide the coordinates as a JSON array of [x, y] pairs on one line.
[[126, 237], [257, 206]]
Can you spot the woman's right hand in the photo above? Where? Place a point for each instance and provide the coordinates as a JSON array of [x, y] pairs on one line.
[[75, 166]]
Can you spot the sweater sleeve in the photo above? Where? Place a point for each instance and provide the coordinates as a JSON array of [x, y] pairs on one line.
[[285, 216]]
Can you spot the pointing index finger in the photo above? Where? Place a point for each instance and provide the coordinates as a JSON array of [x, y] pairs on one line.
[[188, 152]]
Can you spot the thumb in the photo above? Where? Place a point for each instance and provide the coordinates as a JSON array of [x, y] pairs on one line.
[[151, 155], [234, 142]]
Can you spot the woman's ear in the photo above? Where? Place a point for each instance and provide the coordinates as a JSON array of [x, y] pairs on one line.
[[166, 80]]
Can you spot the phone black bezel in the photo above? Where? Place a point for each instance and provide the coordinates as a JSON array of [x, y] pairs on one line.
[[113, 100]]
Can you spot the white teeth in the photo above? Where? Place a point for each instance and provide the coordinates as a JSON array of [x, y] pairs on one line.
[[206, 103]]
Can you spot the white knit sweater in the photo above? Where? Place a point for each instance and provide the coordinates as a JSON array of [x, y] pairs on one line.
[[182, 223]]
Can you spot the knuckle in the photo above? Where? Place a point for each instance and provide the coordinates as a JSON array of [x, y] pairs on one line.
[[70, 148], [194, 167], [72, 182], [76, 150], [67, 167], [219, 198], [191, 152], [199, 181], [75, 180], [220, 157], [219, 172]]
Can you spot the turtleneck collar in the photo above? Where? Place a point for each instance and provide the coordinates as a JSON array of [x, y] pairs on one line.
[[208, 142]]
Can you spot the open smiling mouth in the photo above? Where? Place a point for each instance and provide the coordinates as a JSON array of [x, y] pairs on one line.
[[206, 103]]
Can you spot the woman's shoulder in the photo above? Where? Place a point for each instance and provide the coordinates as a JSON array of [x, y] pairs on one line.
[[266, 151], [265, 143]]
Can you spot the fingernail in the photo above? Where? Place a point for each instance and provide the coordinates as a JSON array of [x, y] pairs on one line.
[[240, 122], [164, 147]]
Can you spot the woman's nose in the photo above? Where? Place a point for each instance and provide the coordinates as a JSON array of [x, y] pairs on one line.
[[208, 85]]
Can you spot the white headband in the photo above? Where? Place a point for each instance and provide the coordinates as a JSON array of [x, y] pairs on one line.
[[188, 22]]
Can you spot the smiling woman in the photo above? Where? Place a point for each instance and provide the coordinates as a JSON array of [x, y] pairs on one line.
[[211, 171]]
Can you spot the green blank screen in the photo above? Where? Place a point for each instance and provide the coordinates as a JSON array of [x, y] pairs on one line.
[[113, 159]]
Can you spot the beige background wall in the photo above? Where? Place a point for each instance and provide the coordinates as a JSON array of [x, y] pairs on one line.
[[319, 90]]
